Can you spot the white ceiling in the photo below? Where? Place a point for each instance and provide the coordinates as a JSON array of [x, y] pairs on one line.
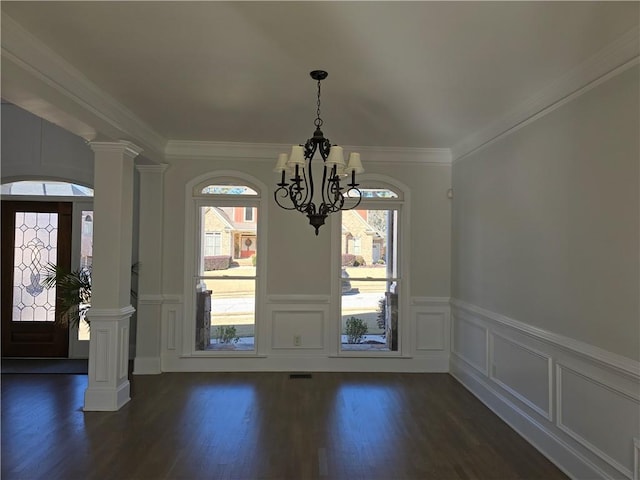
[[401, 74]]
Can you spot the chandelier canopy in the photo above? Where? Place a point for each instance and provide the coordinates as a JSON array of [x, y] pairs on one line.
[[298, 192]]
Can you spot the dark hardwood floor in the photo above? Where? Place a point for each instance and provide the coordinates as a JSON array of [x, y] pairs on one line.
[[261, 426]]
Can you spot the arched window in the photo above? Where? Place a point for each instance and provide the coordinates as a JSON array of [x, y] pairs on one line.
[[370, 269], [227, 216], [46, 188]]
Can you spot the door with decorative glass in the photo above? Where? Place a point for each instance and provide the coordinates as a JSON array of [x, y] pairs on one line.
[[34, 234]]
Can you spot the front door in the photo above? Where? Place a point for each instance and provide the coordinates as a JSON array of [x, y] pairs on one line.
[[33, 235]]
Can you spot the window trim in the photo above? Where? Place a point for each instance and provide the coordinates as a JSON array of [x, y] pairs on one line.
[[194, 199], [402, 205]]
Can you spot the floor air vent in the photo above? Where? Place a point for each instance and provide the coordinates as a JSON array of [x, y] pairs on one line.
[[295, 376]]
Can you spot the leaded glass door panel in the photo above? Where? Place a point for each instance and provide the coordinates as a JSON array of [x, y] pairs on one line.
[[34, 234]]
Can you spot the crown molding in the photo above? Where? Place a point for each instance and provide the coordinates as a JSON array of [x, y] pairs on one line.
[[47, 67], [405, 155], [612, 60], [193, 150]]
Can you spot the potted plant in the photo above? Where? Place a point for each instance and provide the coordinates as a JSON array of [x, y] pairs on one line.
[[73, 291]]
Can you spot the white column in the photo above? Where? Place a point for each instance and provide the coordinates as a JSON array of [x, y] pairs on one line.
[[147, 361], [111, 308]]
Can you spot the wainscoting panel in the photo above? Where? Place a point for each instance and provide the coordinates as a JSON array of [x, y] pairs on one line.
[[525, 373], [102, 354], [636, 459], [430, 331], [470, 341], [171, 323], [578, 404], [297, 329], [598, 416]]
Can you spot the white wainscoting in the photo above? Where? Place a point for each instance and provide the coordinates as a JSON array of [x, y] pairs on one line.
[[636, 459], [301, 333], [579, 405], [522, 371], [470, 342], [430, 329], [298, 317], [171, 336]]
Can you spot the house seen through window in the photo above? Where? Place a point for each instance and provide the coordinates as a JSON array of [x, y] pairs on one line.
[[226, 276]]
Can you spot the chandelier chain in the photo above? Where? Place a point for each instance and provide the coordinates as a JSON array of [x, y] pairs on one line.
[[318, 121]]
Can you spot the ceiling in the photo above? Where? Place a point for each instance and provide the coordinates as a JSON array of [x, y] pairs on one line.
[[401, 74]]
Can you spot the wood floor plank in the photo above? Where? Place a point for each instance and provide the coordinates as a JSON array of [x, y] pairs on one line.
[[261, 426]]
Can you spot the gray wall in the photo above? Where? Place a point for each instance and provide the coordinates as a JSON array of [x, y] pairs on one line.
[[35, 148], [546, 220], [293, 250]]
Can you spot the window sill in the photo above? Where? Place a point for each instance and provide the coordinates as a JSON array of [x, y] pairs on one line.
[[223, 354]]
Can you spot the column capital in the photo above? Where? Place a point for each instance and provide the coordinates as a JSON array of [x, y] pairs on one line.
[[121, 146], [159, 168]]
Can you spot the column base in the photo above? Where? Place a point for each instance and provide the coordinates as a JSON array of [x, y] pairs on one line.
[[106, 399]]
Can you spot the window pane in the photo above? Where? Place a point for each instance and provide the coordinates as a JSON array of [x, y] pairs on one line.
[[86, 260], [46, 188], [227, 284], [368, 323], [228, 190], [369, 280], [228, 241], [377, 193], [35, 247], [225, 314]]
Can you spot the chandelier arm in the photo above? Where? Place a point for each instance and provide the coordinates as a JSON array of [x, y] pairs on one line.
[[332, 195], [354, 187], [301, 194], [295, 193], [325, 187], [283, 192], [310, 148]]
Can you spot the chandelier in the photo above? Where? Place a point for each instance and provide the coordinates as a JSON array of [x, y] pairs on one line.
[[299, 192]]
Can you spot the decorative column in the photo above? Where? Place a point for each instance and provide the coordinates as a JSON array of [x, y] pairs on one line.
[[111, 308], [147, 361]]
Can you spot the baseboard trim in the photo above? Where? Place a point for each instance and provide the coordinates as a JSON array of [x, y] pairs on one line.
[[147, 366], [436, 363]]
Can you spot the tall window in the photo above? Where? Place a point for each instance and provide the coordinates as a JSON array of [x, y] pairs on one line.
[[226, 272], [370, 273]]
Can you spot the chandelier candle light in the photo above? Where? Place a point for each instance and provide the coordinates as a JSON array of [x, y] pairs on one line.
[[300, 190]]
